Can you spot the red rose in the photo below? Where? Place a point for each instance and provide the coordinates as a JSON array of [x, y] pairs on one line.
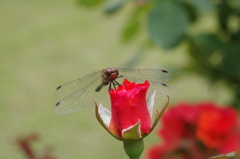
[[130, 116], [129, 106]]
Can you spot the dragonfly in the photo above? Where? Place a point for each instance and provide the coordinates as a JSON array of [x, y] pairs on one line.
[[80, 93]]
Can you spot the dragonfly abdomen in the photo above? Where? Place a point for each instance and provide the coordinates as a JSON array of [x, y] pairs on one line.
[[100, 87]]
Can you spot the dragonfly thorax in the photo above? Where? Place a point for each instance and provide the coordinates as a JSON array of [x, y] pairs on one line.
[[108, 76]]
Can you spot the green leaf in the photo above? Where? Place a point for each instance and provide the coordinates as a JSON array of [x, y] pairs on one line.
[[90, 3], [113, 6], [216, 58], [231, 63], [131, 29], [200, 4], [167, 23], [209, 43], [191, 11], [134, 23], [236, 3]]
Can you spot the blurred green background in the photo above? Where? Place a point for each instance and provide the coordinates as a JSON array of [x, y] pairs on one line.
[[46, 43]]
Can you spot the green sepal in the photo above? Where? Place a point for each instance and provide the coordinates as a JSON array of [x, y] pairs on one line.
[[226, 156], [158, 115], [132, 133], [103, 124]]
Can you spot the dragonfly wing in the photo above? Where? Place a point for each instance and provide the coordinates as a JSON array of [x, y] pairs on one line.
[[70, 103], [80, 99], [76, 85], [80, 93], [161, 89], [155, 74], [156, 77], [149, 74]]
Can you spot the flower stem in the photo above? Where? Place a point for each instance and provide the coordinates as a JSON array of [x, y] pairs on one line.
[[134, 148]]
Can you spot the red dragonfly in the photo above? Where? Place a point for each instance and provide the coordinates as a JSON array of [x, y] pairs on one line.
[[80, 93]]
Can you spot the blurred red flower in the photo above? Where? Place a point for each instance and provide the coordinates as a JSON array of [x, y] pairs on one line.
[[197, 131], [217, 126]]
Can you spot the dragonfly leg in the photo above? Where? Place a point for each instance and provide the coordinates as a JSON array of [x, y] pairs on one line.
[[120, 76], [116, 83], [110, 85]]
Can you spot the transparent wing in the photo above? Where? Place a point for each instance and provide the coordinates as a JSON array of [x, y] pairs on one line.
[[82, 98], [76, 85], [156, 77], [143, 74], [80, 93]]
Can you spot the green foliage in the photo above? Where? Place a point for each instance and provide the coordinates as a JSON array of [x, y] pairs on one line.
[[215, 54], [167, 23], [113, 6], [219, 59], [133, 25], [90, 3], [199, 5]]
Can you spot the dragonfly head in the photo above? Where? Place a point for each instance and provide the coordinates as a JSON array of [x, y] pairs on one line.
[[110, 73]]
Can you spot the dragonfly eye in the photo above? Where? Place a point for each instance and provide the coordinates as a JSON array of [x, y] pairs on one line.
[[108, 72]]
